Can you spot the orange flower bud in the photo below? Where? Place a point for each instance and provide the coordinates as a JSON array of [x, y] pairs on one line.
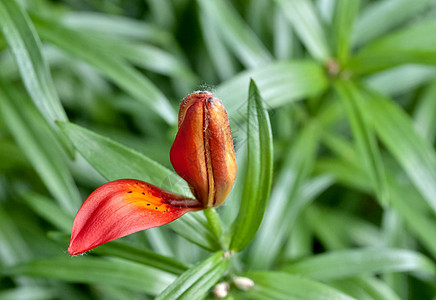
[[203, 152]]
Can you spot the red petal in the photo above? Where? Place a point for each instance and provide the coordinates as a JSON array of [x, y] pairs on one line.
[[188, 154], [122, 207]]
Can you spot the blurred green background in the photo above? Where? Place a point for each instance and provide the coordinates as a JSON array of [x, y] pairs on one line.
[[350, 87]]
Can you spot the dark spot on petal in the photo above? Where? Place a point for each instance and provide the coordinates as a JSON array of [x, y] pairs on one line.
[[136, 183], [156, 207], [143, 193], [148, 203], [129, 192]]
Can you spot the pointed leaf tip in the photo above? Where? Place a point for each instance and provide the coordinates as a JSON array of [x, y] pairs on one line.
[[122, 207]]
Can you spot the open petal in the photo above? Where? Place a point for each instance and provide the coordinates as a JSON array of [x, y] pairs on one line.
[[122, 207]]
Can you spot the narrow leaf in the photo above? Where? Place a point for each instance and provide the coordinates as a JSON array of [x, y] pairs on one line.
[[124, 162], [280, 285], [381, 16], [414, 154], [420, 223], [365, 288], [47, 209], [245, 44], [414, 44], [286, 201], [96, 271], [26, 48], [425, 123], [142, 256], [113, 66], [343, 21], [279, 84], [116, 25], [353, 263], [258, 176], [353, 102], [194, 283], [40, 145], [130, 253], [303, 16], [400, 80]]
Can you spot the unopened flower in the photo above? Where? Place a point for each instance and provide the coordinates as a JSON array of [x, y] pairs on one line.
[[221, 290], [243, 283], [202, 154]]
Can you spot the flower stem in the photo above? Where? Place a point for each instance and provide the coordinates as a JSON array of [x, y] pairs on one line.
[[214, 222]]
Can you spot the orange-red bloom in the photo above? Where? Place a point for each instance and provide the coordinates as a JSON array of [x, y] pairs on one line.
[[202, 154]]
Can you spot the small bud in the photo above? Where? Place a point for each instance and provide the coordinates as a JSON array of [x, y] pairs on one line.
[[221, 290], [243, 283], [203, 152]]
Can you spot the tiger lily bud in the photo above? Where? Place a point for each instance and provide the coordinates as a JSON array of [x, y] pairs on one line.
[[203, 152]]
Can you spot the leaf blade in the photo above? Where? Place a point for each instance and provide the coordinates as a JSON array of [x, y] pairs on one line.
[[26, 48], [258, 178], [280, 285], [414, 154], [303, 16], [352, 263], [194, 283], [112, 66]]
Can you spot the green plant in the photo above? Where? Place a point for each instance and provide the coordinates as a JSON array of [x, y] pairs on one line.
[[331, 105]]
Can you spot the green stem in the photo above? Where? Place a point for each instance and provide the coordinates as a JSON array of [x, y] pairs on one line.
[[214, 222]]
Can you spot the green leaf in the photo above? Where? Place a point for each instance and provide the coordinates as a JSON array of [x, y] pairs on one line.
[[345, 173], [281, 285], [145, 56], [343, 21], [26, 48], [425, 122], [141, 256], [249, 49], [113, 272], [369, 288], [115, 25], [279, 83], [414, 154], [419, 222], [286, 201], [130, 253], [195, 283], [344, 230], [115, 161], [51, 212], [224, 63], [14, 248], [30, 292], [109, 64], [353, 102], [400, 80], [195, 228], [258, 176], [303, 16], [414, 44], [353, 263], [40, 145], [381, 16]]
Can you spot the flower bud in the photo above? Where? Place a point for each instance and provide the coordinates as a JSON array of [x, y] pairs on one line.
[[221, 290], [203, 152], [243, 283]]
